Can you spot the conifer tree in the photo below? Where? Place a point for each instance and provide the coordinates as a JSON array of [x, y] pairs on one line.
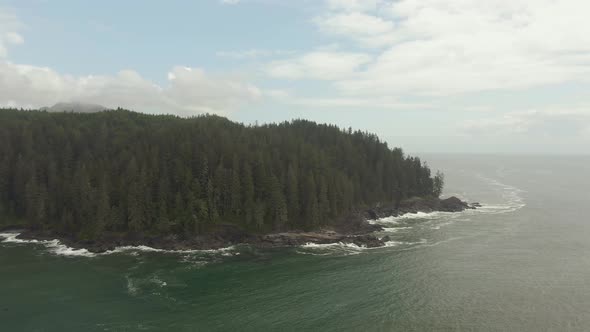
[[163, 225], [103, 209], [248, 194], [277, 204], [439, 182], [236, 189], [311, 215], [259, 214], [292, 194], [323, 202]]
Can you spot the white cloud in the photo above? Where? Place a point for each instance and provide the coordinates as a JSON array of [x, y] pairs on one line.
[[189, 90], [321, 65], [358, 103], [252, 54], [556, 123], [509, 123], [13, 38], [292, 98], [230, 2], [442, 47], [276, 94], [367, 29], [9, 25], [353, 5]]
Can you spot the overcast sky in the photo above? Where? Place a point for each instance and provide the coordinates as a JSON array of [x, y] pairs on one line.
[[494, 76]]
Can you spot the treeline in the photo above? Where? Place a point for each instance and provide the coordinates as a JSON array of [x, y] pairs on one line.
[[120, 171]]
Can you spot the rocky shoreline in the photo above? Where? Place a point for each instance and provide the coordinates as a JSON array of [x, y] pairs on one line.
[[355, 229]]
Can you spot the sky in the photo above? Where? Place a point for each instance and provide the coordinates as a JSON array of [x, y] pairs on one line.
[[460, 76]]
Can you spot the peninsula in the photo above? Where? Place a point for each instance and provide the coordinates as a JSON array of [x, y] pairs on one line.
[[116, 177]]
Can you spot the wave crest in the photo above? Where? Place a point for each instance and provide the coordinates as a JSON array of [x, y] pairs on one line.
[[58, 248]]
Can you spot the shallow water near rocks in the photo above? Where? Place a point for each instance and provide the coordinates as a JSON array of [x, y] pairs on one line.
[[519, 263]]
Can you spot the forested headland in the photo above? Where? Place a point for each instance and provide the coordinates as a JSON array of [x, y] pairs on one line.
[[118, 171]]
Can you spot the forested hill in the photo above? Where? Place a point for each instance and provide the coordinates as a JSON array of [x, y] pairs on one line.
[[125, 172]]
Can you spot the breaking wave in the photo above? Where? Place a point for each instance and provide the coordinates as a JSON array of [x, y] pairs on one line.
[[510, 194], [346, 249], [142, 248], [395, 220], [395, 229], [510, 198], [54, 246], [58, 248], [132, 288]]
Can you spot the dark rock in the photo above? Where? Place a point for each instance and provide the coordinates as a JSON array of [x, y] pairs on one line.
[[9, 228], [372, 214], [353, 228], [368, 240], [453, 204]]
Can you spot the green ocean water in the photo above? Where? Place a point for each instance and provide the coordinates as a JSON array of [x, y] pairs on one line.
[[521, 263]]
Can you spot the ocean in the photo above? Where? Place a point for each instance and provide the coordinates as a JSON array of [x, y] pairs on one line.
[[519, 263]]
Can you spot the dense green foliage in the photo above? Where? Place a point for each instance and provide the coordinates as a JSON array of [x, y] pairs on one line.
[[121, 171]]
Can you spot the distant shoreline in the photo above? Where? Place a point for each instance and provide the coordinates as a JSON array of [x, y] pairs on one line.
[[355, 229]]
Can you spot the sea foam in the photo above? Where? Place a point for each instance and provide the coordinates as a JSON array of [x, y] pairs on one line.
[[346, 249], [141, 248], [393, 220], [54, 246], [58, 248], [512, 195]]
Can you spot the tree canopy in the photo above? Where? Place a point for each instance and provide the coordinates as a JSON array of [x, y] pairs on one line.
[[121, 171]]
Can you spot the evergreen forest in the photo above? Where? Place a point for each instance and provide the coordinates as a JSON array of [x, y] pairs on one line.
[[84, 174]]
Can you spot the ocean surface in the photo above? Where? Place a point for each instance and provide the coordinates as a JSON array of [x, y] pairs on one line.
[[519, 263]]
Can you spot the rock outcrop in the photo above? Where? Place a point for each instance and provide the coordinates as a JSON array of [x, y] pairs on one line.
[[354, 229], [419, 204]]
